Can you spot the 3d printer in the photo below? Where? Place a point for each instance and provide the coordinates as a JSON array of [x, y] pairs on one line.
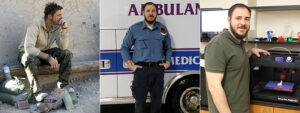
[[275, 79]]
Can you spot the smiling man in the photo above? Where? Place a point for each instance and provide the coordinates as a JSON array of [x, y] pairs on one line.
[[227, 65], [36, 48], [151, 56]]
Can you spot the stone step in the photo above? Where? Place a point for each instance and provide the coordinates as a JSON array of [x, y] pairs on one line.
[[77, 67], [48, 82]]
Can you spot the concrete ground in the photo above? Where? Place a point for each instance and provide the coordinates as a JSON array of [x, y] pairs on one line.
[[86, 84]]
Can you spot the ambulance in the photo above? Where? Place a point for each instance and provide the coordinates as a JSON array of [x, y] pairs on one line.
[[182, 18]]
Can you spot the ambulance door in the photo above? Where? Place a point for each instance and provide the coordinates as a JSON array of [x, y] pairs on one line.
[[108, 56], [125, 76]]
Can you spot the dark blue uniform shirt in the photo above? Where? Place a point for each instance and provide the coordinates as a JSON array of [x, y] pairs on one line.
[[149, 45]]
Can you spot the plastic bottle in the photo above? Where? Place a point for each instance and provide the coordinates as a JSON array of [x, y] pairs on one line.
[[6, 71]]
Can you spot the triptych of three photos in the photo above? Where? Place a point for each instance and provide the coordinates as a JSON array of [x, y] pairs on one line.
[[125, 56], [83, 56]]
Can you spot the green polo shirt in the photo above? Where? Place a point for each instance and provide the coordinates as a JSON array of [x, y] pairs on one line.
[[224, 54]]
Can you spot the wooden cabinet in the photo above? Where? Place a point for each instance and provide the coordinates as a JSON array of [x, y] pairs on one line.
[[220, 3], [203, 111], [255, 108], [251, 3], [282, 110], [274, 2]]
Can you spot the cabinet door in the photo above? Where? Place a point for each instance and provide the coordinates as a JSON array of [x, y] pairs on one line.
[[255, 108], [281, 110]]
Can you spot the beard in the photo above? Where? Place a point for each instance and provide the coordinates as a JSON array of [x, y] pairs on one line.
[[148, 21], [56, 22], [238, 36]]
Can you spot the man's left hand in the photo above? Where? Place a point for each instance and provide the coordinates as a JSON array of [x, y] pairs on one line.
[[257, 52], [64, 26], [166, 65]]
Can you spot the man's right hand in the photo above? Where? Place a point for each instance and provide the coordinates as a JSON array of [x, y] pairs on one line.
[[214, 84], [134, 67], [54, 64]]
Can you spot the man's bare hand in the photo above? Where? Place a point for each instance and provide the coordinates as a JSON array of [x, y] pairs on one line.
[[166, 65], [134, 67], [257, 52], [54, 64], [63, 25]]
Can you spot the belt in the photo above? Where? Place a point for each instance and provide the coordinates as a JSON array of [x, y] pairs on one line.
[[149, 64]]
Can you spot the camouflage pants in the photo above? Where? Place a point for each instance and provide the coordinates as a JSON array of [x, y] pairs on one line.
[[31, 63]]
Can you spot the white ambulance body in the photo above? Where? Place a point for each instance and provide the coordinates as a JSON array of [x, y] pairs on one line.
[[182, 18]]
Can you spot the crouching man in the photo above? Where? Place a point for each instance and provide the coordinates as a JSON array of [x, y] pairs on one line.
[[37, 48]]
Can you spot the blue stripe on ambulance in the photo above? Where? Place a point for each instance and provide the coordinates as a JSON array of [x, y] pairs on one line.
[[181, 60]]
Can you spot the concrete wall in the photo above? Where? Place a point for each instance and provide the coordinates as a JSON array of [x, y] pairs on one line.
[[82, 17]]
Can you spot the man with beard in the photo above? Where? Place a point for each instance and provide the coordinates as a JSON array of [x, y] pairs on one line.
[[227, 65], [36, 48], [151, 56]]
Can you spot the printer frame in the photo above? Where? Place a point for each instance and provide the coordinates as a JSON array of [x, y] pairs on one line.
[[266, 68]]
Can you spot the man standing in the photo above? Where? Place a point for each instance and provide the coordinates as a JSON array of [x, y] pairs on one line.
[[151, 56], [227, 65], [36, 48]]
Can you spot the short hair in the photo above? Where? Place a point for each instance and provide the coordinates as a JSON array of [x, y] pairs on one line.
[[51, 8], [238, 5], [149, 3]]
